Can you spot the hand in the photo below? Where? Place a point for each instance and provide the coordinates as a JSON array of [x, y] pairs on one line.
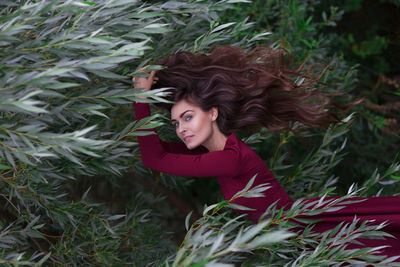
[[145, 82]]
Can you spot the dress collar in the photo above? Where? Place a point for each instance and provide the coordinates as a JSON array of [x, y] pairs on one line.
[[232, 141]]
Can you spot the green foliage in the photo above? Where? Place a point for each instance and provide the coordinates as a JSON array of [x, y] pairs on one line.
[[68, 133], [222, 238], [217, 238], [318, 32], [369, 47], [64, 82]]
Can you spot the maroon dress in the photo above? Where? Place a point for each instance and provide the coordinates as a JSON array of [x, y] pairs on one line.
[[237, 163]]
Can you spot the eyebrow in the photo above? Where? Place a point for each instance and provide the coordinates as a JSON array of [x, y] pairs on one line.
[[183, 113]]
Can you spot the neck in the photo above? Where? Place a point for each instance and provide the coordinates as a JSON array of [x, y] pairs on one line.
[[217, 141]]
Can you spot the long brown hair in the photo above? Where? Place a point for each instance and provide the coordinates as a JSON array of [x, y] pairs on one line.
[[250, 89]]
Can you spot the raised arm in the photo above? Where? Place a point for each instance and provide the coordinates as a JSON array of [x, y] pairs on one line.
[[155, 156]]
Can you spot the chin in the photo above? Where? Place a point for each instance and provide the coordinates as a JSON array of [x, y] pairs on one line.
[[190, 146]]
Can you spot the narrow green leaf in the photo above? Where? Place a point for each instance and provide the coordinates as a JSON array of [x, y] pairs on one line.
[[5, 167], [395, 177], [187, 220], [116, 217], [238, 207]]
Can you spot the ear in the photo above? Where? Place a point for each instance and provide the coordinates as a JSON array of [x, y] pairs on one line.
[[214, 113]]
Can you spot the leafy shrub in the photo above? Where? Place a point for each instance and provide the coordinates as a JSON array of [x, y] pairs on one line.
[[68, 133]]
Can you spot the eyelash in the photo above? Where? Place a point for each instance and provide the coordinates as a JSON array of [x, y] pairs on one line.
[[187, 118]]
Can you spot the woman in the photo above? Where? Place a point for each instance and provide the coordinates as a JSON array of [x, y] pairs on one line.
[[230, 89]]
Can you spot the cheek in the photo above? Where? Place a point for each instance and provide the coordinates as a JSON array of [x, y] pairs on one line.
[[204, 125], [199, 124]]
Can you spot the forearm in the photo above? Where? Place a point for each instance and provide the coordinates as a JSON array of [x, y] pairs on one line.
[[142, 110]]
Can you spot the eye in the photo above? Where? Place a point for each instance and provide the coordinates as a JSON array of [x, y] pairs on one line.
[[175, 124], [188, 118]]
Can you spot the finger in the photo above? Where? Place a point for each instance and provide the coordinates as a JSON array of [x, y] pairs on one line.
[[152, 74], [142, 69]]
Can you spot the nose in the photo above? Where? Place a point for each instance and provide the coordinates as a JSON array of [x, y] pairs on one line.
[[181, 128]]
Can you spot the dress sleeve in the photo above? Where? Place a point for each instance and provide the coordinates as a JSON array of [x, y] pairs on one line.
[[175, 147], [157, 157]]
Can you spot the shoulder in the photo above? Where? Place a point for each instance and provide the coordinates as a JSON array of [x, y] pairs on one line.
[[245, 152], [232, 143]]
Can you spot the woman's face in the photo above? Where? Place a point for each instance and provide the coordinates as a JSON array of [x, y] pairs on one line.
[[193, 126]]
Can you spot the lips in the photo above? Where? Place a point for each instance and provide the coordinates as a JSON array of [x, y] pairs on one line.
[[188, 138]]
